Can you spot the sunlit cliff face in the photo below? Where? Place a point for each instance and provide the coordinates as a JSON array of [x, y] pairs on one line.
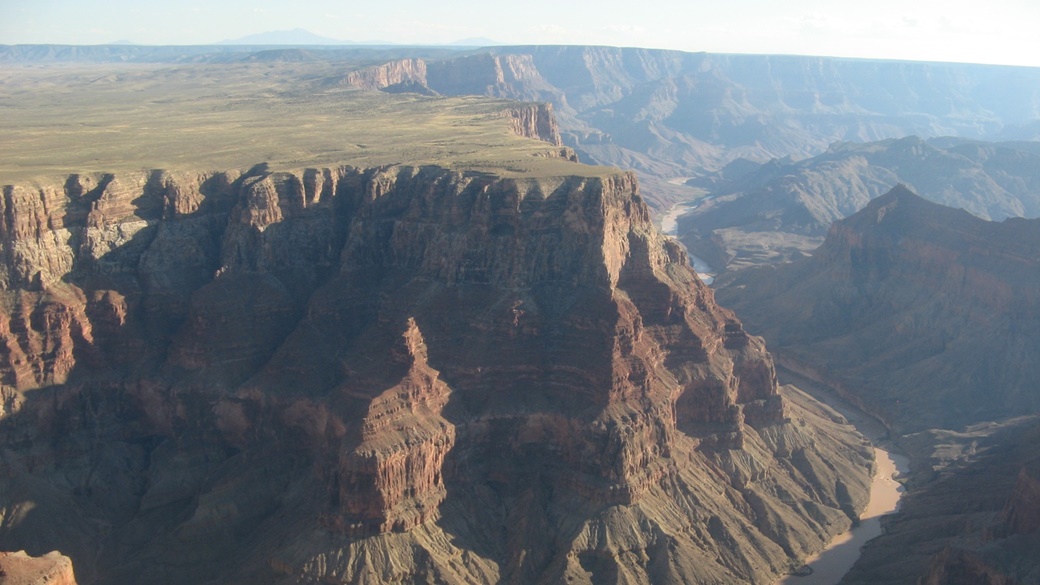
[[385, 358]]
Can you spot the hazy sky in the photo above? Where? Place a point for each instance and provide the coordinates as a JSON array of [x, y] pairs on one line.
[[996, 31]]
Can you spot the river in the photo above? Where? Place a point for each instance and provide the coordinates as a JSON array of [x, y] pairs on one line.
[[670, 227], [831, 564]]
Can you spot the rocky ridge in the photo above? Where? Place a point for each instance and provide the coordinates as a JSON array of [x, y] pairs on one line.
[[924, 316], [772, 212], [670, 114], [389, 374]]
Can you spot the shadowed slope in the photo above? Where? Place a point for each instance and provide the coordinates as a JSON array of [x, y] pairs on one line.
[[926, 314]]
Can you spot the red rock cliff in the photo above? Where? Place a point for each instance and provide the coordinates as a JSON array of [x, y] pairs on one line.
[[394, 374], [509, 76]]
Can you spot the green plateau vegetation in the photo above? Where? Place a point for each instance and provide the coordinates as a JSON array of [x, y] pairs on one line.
[[65, 119]]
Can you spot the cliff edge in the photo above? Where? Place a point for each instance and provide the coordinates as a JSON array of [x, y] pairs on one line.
[[312, 366], [485, 366]]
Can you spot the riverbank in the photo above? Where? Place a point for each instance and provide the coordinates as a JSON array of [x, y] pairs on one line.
[[829, 565]]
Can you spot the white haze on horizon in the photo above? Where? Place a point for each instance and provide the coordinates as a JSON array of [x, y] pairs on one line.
[[999, 32]]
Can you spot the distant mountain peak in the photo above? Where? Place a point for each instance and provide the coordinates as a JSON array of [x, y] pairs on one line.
[[901, 208], [897, 194]]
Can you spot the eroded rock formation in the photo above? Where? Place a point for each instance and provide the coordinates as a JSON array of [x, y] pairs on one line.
[[389, 375], [770, 213], [924, 314], [18, 568]]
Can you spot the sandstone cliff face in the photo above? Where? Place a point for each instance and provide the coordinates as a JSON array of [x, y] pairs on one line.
[[389, 375], [18, 568], [507, 76], [537, 121], [401, 73]]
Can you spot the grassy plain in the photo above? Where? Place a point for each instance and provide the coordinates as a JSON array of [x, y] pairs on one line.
[[61, 119]]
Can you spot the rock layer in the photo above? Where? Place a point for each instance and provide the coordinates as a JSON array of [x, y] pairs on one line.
[[18, 568], [389, 375]]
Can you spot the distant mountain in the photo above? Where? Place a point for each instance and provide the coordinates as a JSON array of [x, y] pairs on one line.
[[296, 36], [668, 114], [772, 212], [347, 56], [927, 316], [672, 114]]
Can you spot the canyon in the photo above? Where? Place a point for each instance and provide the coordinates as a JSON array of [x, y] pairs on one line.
[[769, 213], [297, 315], [485, 365], [923, 315], [662, 114], [923, 312], [669, 114]]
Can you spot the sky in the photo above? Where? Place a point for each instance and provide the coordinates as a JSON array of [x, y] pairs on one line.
[[995, 32]]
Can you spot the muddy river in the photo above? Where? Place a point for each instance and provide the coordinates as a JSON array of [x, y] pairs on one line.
[[833, 562]]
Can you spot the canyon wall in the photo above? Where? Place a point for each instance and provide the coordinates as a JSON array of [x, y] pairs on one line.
[[924, 314], [672, 114], [772, 212], [387, 375]]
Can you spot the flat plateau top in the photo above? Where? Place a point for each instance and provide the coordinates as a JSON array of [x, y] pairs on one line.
[[64, 119]]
